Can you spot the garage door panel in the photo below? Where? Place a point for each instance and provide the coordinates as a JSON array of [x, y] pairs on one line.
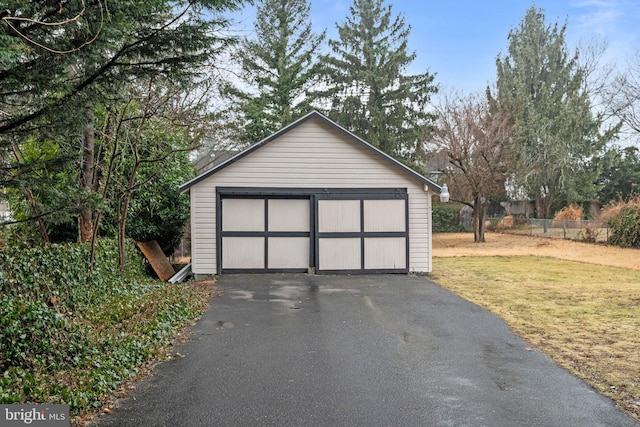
[[288, 252], [339, 254], [338, 216], [242, 215], [289, 215], [243, 252], [385, 253], [385, 215]]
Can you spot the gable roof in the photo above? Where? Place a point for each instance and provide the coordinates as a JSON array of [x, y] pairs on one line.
[[313, 115]]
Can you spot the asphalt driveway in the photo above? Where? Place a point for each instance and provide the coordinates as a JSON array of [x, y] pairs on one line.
[[300, 350]]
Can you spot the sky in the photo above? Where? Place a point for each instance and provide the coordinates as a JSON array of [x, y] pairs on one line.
[[459, 40]]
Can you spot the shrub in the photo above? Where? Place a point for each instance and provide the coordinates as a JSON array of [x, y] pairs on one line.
[[625, 227], [158, 211], [446, 218], [160, 218]]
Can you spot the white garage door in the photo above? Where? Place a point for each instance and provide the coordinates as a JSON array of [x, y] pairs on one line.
[[362, 235], [333, 231], [265, 234]]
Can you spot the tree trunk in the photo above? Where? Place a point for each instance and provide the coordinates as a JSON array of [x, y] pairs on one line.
[[86, 181], [124, 211], [34, 208], [105, 189], [541, 210], [123, 207], [32, 201], [122, 223], [478, 220]]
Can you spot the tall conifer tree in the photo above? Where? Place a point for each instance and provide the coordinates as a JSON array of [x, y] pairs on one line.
[[278, 67], [557, 134], [367, 89]]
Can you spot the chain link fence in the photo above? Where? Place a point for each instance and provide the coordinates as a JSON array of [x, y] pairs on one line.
[[583, 230]]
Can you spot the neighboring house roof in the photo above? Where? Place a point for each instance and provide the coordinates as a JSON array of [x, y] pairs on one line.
[[211, 159], [313, 115]]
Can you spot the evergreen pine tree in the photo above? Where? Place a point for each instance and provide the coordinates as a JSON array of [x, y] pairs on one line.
[[367, 89], [278, 67], [557, 135]]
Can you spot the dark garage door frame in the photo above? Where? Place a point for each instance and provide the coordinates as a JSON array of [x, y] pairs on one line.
[[314, 235]]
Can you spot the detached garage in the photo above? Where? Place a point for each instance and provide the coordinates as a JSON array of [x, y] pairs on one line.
[[311, 197]]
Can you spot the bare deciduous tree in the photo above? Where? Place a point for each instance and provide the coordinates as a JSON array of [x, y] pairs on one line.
[[625, 95], [476, 144], [157, 122]]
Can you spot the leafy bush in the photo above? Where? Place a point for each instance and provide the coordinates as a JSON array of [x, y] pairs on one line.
[[158, 211], [625, 227], [446, 218], [159, 218], [72, 336]]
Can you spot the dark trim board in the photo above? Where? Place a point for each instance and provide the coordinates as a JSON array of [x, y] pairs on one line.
[[265, 233], [263, 271], [287, 193], [360, 234], [369, 271], [313, 195]]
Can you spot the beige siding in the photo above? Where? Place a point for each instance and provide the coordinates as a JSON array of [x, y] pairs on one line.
[[311, 155], [203, 229]]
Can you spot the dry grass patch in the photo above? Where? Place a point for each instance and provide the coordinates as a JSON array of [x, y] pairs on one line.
[[461, 244], [586, 317]]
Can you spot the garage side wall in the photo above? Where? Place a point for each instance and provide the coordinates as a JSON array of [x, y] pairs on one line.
[[311, 155]]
